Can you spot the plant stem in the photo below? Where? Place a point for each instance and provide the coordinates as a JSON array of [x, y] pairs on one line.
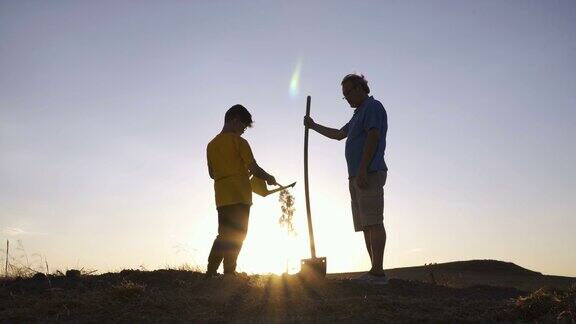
[[48, 273], [7, 255]]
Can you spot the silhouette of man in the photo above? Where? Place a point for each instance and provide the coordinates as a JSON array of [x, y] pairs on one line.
[[365, 135], [230, 163]]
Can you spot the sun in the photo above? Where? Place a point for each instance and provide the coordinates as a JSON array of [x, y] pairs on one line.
[[268, 247]]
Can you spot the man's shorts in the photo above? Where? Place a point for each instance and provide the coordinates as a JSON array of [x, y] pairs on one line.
[[368, 203]]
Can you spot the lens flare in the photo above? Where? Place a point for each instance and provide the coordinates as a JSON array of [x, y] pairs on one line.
[[295, 80]]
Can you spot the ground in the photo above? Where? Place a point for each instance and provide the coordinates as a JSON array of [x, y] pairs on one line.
[[173, 295]]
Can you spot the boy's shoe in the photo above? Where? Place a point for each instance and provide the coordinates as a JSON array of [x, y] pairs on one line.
[[209, 275], [235, 274]]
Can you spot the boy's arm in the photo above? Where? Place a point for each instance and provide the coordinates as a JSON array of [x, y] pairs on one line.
[[253, 167], [257, 171], [332, 133], [210, 171]]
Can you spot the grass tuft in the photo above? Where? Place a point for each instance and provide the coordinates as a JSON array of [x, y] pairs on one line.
[[548, 303], [128, 289]]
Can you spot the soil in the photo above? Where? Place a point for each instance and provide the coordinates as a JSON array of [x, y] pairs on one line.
[[174, 295]]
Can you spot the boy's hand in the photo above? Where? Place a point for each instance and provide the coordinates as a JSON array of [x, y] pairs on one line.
[[271, 181]]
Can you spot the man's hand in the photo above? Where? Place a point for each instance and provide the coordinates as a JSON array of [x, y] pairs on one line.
[[309, 122], [332, 133], [362, 178], [367, 155]]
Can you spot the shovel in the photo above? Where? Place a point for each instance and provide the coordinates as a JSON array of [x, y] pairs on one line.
[[313, 267], [259, 187]]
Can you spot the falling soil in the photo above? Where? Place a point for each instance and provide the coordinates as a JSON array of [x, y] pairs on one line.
[[287, 205]]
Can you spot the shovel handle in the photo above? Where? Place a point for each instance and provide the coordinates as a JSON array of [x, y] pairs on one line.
[[306, 190]]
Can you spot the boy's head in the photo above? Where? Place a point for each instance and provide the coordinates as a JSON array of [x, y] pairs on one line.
[[238, 118]]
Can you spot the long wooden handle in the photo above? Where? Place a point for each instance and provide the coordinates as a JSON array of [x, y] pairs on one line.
[[306, 190]]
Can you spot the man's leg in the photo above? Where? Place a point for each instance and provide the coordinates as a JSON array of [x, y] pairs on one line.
[[368, 244], [377, 244], [371, 203], [237, 233]]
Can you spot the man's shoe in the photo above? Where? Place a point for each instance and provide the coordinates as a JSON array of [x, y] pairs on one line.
[[363, 277], [372, 279], [379, 280]]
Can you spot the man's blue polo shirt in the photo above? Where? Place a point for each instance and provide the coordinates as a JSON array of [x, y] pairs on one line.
[[370, 114]]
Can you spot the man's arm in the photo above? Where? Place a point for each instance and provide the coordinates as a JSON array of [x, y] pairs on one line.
[[257, 171], [367, 154], [332, 133]]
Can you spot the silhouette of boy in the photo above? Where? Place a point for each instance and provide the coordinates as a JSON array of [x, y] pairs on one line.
[[230, 163]]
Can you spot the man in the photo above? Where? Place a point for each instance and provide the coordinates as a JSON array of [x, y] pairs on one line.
[[365, 135], [230, 163]]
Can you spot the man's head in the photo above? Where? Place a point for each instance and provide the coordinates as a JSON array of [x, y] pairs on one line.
[[355, 89], [237, 119]]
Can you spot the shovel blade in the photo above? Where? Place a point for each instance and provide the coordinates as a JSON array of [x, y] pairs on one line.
[[313, 268]]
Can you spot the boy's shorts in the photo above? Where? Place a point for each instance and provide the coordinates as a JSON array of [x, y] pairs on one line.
[[368, 203]]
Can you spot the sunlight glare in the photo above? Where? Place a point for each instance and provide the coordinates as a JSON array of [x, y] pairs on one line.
[[268, 248], [295, 79]]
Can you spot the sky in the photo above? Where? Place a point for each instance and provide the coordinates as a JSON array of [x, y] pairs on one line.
[[106, 108]]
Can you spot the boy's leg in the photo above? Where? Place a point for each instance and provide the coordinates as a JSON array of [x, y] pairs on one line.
[[219, 246], [237, 229]]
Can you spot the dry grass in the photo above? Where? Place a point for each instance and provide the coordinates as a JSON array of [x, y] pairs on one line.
[[128, 289], [549, 304], [20, 264]]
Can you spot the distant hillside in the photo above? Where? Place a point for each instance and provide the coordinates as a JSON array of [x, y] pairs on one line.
[[476, 272], [483, 266]]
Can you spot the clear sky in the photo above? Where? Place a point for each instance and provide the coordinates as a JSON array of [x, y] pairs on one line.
[[106, 108]]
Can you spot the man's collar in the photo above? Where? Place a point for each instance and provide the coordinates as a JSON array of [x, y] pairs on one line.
[[364, 103]]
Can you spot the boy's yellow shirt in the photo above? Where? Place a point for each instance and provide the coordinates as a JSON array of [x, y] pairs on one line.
[[229, 156]]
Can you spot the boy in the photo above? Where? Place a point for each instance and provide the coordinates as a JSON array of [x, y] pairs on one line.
[[230, 163]]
